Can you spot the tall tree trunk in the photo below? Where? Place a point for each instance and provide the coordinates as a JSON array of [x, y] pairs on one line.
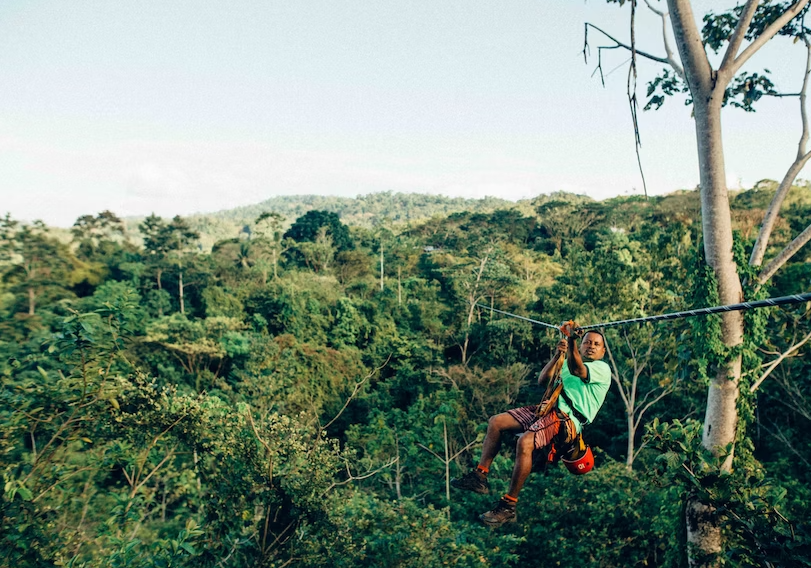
[[180, 293], [381, 268], [32, 301], [398, 469], [473, 298], [630, 449], [721, 416], [158, 274]]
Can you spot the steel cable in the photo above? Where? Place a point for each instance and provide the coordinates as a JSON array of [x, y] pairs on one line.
[[769, 302]]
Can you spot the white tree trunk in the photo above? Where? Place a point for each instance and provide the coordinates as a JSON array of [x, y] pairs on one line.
[[180, 293], [721, 417], [707, 87], [629, 451]]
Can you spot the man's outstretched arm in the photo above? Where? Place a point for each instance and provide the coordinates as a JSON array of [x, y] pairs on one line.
[[575, 361]]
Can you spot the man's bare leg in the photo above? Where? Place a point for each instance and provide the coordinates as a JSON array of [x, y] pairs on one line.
[[496, 427], [504, 511], [523, 463]]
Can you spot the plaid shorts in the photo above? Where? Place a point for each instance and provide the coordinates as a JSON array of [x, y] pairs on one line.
[[554, 427]]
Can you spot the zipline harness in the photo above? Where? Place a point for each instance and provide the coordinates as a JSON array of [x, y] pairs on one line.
[[578, 456]]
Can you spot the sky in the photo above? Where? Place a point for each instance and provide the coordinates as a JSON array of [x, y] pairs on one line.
[[196, 106]]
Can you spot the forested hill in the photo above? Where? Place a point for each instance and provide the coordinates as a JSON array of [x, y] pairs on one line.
[[300, 395], [402, 210], [364, 211]]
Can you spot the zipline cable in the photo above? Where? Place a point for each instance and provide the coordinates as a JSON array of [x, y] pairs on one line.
[[769, 302], [549, 325], [783, 300]]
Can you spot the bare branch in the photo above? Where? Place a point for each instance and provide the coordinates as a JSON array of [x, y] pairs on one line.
[[645, 408], [773, 365], [658, 12], [622, 45], [436, 455], [796, 401], [616, 377], [804, 98], [457, 454], [256, 432], [151, 473], [784, 255], [778, 434], [770, 218], [738, 35], [356, 389], [278, 540], [640, 448], [366, 475], [667, 389], [632, 100], [671, 59], [60, 479], [763, 38]]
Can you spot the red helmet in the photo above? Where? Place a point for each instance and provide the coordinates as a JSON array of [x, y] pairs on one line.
[[581, 465]]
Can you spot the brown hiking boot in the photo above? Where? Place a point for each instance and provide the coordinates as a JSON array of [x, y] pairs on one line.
[[474, 481], [503, 512]]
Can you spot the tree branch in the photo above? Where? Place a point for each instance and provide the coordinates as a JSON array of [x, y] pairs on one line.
[[355, 391], [784, 255], [770, 218], [645, 408], [778, 435], [671, 59], [620, 44], [737, 36], [773, 365], [763, 38], [616, 377], [359, 477], [151, 473], [60, 479], [697, 68]]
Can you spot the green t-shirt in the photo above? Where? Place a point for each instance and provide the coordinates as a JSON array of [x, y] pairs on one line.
[[587, 396]]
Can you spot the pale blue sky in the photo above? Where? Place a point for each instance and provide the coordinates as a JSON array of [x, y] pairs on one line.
[[184, 106]]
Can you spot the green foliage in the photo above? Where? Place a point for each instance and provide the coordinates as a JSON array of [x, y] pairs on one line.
[[309, 412], [609, 517], [34, 265], [745, 501], [364, 210], [665, 85], [97, 237], [307, 227], [220, 303], [200, 347]]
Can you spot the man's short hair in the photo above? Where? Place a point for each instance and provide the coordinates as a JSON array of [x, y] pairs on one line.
[[601, 334]]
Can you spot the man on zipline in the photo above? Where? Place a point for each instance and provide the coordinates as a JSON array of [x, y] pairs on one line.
[[585, 378]]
